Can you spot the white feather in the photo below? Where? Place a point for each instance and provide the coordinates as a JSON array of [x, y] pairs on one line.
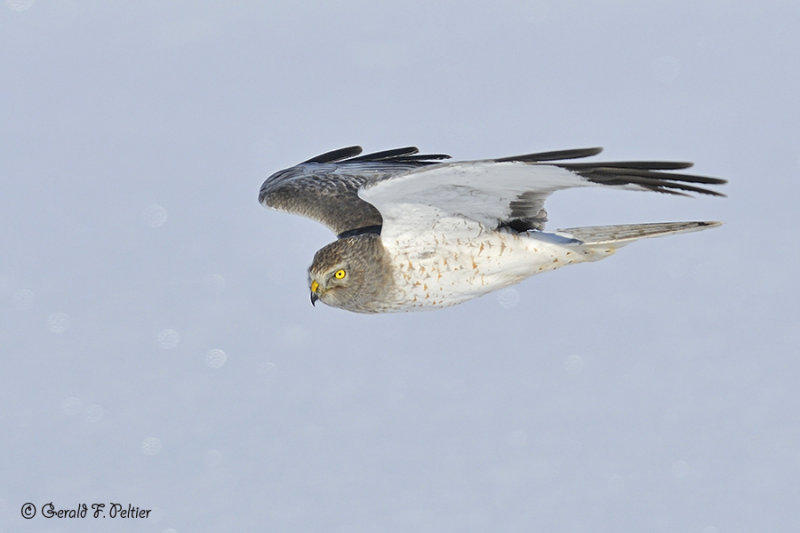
[[481, 191], [459, 260]]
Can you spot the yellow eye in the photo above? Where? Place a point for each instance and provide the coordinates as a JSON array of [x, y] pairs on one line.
[[339, 274]]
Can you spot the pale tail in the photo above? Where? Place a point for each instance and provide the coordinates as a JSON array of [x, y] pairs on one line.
[[626, 233]]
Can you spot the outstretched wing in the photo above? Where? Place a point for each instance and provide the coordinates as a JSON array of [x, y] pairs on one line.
[[510, 192], [325, 188]]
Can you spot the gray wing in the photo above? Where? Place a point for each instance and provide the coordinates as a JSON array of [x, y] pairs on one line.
[[325, 187]]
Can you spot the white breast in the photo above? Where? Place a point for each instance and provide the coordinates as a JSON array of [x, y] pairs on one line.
[[441, 268]]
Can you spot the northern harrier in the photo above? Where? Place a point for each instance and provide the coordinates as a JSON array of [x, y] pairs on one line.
[[416, 232]]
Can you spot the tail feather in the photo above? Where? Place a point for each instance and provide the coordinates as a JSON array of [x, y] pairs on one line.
[[626, 233]]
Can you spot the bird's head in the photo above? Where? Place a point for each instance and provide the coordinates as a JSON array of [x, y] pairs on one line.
[[350, 273]]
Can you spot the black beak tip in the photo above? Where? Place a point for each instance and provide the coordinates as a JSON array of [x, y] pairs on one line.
[[314, 299]]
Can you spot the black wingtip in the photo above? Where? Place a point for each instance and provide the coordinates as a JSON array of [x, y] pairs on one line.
[[352, 154], [655, 180], [409, 154], [388, 154], [557, 155], [336, 155], [640, 165]]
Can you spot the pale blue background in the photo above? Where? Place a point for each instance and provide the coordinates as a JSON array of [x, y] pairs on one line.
[[157, 343]]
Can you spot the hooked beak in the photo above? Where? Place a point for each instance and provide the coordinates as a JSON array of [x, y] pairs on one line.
[[314, 295]]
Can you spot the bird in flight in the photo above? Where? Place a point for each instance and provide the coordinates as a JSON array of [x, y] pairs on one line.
[[417, 232]]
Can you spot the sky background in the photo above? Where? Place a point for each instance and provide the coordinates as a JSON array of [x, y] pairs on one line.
[[158, 348]]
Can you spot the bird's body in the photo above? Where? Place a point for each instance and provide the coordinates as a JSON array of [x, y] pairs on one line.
[[415, 233], [447, 267]]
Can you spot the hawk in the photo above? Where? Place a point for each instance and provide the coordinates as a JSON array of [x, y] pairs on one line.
[[417, 232]]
